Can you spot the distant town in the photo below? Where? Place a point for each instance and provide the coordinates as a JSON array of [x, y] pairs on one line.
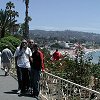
[[65, 39]]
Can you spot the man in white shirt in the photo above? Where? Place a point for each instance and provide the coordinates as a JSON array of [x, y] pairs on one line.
[[22, 61]]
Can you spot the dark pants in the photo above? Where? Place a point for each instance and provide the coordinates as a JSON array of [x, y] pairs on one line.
[[19, 77], [35, 76], [25, 79]]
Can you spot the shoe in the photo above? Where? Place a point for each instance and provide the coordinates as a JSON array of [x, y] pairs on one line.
[[5, 73], [21, 94], [2, 68], [19, 91]]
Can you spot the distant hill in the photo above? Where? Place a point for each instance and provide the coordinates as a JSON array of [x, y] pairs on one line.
[[66, 35]]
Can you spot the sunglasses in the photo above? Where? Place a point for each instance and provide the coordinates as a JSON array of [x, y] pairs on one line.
[[24, 42], [31, 42]]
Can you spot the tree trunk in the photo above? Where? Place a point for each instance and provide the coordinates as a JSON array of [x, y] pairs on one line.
[[26, 35], [2, 33]]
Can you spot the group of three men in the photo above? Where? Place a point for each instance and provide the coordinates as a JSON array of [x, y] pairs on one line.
[[29, 61]]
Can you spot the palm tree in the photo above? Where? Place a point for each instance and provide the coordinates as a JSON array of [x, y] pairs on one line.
[[10, 5], [26, 34], [23, 28], [5, 22], [12, 14]]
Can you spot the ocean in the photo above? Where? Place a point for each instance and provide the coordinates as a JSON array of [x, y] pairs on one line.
[[95, 56]]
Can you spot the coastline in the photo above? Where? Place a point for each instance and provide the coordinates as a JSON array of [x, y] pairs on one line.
[[72, 52], [91, 50]]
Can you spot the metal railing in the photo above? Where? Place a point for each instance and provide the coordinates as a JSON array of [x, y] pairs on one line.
[[56, 88]]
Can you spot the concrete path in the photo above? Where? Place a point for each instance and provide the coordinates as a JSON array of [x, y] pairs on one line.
[[8, 88]]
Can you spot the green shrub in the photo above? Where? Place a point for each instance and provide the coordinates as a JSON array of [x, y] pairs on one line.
[[3, 45], [11, 41]]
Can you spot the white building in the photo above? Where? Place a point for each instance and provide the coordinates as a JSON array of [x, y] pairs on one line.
[[65, 45]]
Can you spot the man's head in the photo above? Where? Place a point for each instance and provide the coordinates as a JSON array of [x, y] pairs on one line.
[[56, 50], [35, 47], [24, 43], [31, 43]]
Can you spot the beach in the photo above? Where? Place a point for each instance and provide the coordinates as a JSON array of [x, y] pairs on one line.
[[71, 52]]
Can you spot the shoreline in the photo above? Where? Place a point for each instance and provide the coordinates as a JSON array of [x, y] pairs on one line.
[[72, 52], [91, 50]]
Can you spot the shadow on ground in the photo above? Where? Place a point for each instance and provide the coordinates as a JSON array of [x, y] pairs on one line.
[[15, 92], [2, 75]]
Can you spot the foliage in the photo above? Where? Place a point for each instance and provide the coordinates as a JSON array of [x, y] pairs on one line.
[[96, 70], [7, 19], [18, 36], [11, 41], [22, 28], [3, 44], [76, 70]]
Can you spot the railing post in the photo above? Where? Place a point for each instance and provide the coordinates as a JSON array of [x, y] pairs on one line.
[[59, 90], [0, 59]]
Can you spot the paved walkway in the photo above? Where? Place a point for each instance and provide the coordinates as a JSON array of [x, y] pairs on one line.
[[8, 88]]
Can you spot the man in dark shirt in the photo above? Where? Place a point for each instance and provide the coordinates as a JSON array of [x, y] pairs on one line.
[[37, 66]]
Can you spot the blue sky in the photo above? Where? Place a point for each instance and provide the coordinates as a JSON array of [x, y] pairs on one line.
[[78, 15]]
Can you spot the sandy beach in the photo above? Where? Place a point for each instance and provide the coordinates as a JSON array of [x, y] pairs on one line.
[[72, 52]]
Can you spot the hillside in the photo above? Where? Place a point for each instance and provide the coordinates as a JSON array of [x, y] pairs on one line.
[[66, 35]]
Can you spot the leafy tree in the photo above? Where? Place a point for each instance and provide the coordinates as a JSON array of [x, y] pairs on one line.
[[7, 19], [4, 23], [12, 13], [10, 5], [22, 27]]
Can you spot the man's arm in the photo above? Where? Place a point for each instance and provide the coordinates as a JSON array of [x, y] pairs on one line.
[[16, 58], [42, 61]]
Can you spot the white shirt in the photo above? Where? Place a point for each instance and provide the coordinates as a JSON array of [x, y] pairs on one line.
[[23, 57]]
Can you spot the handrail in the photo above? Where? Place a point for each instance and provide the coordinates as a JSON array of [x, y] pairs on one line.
[[72, 82], [56, 88]]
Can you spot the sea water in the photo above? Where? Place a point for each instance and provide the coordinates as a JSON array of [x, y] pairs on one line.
[[95, 56]]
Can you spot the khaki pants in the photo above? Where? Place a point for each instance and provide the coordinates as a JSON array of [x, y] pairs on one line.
[[7, 67]]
